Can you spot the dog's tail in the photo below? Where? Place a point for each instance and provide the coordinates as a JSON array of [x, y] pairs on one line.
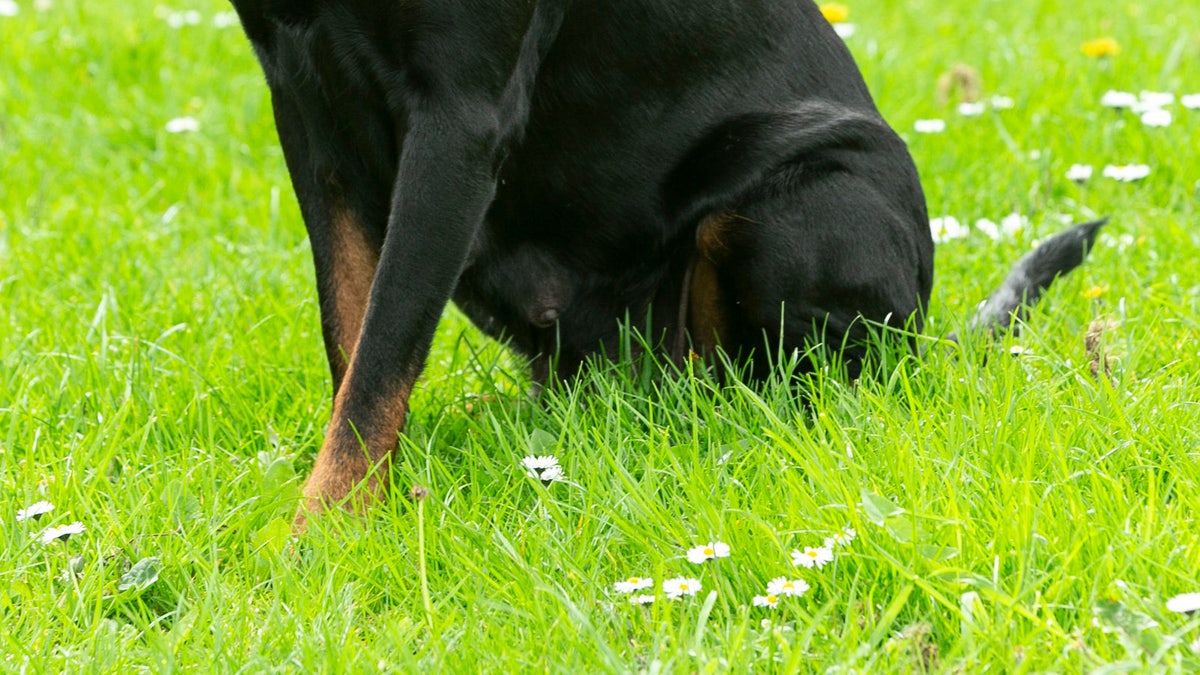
[[1031, 276]]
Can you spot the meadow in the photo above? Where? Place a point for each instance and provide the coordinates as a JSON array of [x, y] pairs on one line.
[[1024, 505]]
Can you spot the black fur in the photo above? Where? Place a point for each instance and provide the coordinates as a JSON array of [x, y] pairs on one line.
[[713, 169]]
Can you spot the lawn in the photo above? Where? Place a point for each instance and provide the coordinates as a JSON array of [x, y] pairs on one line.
[[162, 383]]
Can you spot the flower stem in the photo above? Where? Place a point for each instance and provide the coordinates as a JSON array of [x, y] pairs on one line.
[[421, 560]]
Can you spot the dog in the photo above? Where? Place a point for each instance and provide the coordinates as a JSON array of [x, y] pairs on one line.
[[715, 169]]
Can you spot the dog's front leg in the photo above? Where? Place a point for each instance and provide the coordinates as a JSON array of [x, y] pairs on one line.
[[444, 184]]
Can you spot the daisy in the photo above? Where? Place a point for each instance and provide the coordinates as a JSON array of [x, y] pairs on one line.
[[642, 599], [769, 600], [710, 551], [933, 126], [946, 228], [1157, 117], [1002, 102], [971, 108], [35, 511], [680, 586], [62, 532], [812, 557], [842, 538], [845, 30], [1013, 223], [1184, 604], [633, 584], [539, 462], [9, 8], [1156, 99], [785, 586], [548, 475], [181, 19], [1080, 173], [225, 19], [1191, 101], [992, 230], [181, 124], [1118, 99], [543, 467], [1126, 173]]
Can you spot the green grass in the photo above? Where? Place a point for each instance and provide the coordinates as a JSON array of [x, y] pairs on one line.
[[162, 382]]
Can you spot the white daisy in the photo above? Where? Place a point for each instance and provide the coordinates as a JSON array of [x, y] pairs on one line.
[[1156, 117], [844, 30], [769, 600], [1080, 173], [548, 475], [1002, 102], [946, 228], [643, 599], [180, 19], [812, 557], [539, 462], [1013, 223], [35, 511], [180, 125], [1191, 101], [62, 532], [680, 586], [1156, 99], [633, 584], [9, 8], [1126, 173], [933, 126], [225, 19], [971, 108], [1185, 604], [1118, 99], [991, 229], [710, 551], [785, 586], [842, 538]]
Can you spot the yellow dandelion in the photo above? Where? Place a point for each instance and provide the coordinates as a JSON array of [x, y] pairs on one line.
[[1101, 47], [835, 12], [1094, 292]]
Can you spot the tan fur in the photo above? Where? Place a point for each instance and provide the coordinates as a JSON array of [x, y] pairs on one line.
[[711, 236], [355, 459], [354, 270]]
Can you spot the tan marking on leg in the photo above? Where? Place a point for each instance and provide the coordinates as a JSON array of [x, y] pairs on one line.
[[354, 271], [708, 313], [353, 465]]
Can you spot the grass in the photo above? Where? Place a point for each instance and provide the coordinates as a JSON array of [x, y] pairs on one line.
[[162, 382]]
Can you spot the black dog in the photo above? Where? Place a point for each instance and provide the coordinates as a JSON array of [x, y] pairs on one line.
[[554, 166]]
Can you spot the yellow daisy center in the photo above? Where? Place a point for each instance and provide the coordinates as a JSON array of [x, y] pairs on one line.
[[709, 551]]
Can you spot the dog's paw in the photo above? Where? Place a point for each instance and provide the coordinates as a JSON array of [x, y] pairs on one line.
[[354, 487]]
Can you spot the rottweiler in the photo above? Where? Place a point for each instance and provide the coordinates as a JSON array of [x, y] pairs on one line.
[[713, 170]]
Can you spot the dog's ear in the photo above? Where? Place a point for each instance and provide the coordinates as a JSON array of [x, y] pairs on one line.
[[739, 153]]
